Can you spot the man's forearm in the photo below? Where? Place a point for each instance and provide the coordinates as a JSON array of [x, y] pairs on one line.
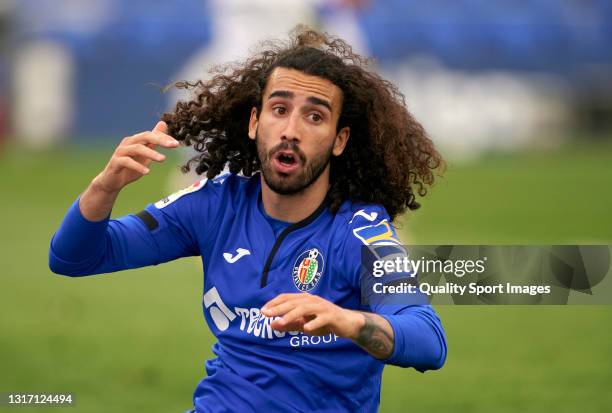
[[411, 337], [96, 203], [374, 335], [420, 340], [80, 246], [317, 316]]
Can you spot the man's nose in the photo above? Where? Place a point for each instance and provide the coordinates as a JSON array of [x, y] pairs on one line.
[[292, 128]]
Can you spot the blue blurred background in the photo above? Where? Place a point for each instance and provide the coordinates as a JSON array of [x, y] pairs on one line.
[[93, 69]]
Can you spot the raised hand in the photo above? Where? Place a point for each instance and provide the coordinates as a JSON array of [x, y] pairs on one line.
[[132, 158], [129, 162]]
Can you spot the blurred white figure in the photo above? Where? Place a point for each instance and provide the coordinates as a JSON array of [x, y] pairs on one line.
[[43, 89], [43, 71], [468, 114]]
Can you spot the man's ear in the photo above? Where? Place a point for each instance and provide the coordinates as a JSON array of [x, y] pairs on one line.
[[341, 140], [253, 124]]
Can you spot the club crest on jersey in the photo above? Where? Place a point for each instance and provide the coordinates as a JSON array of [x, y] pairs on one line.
[[197, 185], [308, 269]]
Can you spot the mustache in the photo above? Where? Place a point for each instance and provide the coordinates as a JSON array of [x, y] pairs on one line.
[[288, 146]]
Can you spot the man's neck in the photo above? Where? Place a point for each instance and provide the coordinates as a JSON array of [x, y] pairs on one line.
[[294, 208]]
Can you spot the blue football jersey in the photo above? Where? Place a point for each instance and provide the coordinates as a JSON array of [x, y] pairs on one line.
[[245, 265]]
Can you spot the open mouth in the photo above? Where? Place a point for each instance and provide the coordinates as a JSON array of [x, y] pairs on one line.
[[287, 158], [286, 161]]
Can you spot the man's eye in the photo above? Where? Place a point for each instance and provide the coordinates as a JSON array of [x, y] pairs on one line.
[[315, 117], [280, 110]]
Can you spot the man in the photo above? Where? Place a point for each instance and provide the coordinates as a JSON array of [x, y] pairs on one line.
[[329, 156]]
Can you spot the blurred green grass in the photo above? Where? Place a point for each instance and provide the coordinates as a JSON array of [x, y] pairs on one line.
[[137, 340]]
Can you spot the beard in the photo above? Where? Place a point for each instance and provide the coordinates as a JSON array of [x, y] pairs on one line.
[[291, 184]]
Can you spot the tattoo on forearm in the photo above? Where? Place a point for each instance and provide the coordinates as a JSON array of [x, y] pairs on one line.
[[375, 337]]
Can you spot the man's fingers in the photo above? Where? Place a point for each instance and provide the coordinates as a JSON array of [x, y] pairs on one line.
[[303, 310], [273, 303], [161, 126], [319, 322], [141, 151], [295, 325], [154, 137], [129, 163], [281, 298], [279, 309]]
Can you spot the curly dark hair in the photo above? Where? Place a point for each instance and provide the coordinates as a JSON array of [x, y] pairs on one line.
[[388, 158]]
